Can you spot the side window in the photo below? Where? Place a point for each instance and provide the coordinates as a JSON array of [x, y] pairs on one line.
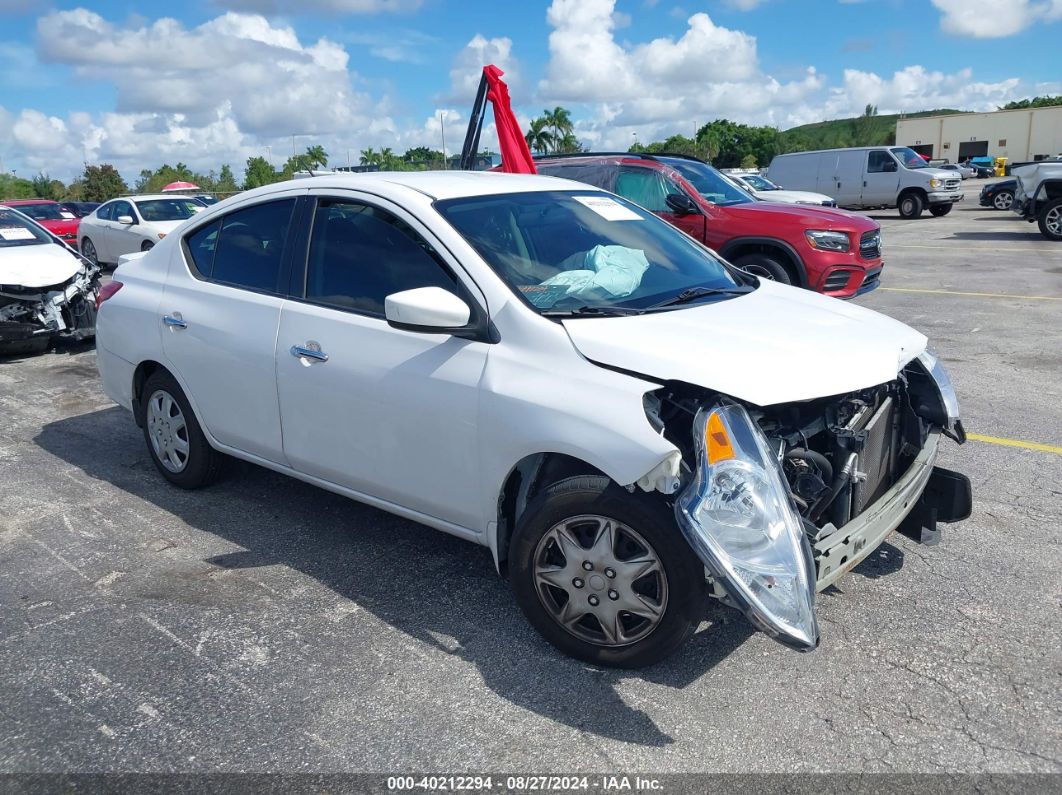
[[249, 249], [878, 162], [106, 212], [643, 186], [120, 209], [201, 245], [360, 254]]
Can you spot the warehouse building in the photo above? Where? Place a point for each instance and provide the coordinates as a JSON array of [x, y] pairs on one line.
[[1018, 135]]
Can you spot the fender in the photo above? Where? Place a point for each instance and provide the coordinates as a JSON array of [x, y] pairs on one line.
[[737, 242]]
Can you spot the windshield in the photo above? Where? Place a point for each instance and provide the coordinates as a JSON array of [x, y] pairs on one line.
[[16, 230], [909, 157], [758, 182], [168, 209], [583, 251], [708, 182], [45, 211]]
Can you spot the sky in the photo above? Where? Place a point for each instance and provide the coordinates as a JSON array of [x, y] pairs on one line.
[[207, 82]]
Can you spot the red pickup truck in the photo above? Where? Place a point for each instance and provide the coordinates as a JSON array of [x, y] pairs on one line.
[[831, 251]]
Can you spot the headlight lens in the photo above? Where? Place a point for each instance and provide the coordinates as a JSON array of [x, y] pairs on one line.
[[947, 391], [827, 240], [936, 183], [738, 518]]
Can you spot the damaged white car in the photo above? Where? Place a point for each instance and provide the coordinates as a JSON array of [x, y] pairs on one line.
[[630, 424], [47, 290]]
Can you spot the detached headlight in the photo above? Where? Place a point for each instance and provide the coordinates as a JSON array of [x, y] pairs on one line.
[[948, 397], [738, 518], [827, 240]]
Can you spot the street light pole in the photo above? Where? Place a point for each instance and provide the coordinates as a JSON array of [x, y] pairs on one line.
[[442, 128]]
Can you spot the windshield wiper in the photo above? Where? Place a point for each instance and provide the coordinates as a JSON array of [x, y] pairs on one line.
[[600, 311], [693, 293]]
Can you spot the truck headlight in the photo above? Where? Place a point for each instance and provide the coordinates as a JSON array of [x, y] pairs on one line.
[[948, 397], [827, 240], [936, 183], [737, 516]]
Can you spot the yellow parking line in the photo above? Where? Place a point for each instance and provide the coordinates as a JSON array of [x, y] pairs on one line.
[[1043, 448], [975, 295], [1018, 249]]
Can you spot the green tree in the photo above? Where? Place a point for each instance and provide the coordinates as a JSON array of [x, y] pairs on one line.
[[866, 128], [1035, 102], [226, 181], [423, 156], [538, 136], [12, 187], [259, 172], [369, 157], [389, 160], [317, 156], [749, 161], [559, 120], [101, 183], [44, 187]]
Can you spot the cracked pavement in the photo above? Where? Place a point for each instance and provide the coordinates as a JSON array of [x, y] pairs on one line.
[[265, 625]]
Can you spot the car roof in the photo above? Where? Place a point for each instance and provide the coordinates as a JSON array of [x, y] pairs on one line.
[[24, 202], [434, 184]]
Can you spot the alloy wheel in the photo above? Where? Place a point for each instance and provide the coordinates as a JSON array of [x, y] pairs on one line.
[[89, 250], [1003, 200], [600, 580], [167, 431], [1053, 221]]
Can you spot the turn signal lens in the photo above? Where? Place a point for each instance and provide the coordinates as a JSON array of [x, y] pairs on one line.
[[716, 440], [162, 235]]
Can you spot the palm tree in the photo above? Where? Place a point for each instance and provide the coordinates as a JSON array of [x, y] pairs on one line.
[[387, 159], [370, 157], [537, 136], [317, 155], [560, 120]]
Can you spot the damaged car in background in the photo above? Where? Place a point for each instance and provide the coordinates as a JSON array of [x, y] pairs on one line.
[[47, 290], [628, 422]]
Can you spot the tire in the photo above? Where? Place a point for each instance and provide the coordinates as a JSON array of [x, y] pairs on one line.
[[1003, 200], [167, 420], [669, 598], [940, 210], [1049, 220], [765, 267], [88, 248], [147, 245], [911, 205]]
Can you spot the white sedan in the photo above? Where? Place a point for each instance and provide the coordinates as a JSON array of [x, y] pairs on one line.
[[627, 422], [132, 223], [765, 190]]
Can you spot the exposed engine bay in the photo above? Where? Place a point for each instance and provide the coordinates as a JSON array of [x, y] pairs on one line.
[[65, 310], [838, 454]]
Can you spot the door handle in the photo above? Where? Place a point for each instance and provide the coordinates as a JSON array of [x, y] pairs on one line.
[[175, 320], [312, 350]]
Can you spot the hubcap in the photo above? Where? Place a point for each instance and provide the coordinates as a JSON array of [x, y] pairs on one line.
[[1003, 201], [600, 580], [167, 431], [1053, 221]]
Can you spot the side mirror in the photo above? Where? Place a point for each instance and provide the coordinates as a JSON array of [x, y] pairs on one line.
[[889, 166], [681, 204], [428, 310], [125, 219]]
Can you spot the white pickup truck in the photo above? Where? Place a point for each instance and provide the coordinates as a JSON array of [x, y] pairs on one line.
[[1038, 196]]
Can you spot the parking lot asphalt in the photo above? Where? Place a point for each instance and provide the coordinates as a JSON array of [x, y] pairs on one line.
[[266, 625]]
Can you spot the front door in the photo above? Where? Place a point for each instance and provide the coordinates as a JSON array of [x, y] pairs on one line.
[[881, 182], [388, 413], [220, 318], [650, 188]]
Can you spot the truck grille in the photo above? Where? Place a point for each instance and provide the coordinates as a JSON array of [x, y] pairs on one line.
[[877, 459], [870, 244], [952, 183]]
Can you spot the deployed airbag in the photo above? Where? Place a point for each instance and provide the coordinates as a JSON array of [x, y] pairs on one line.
[[617, 270]]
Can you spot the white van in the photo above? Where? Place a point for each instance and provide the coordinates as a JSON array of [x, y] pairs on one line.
[[870, 176]]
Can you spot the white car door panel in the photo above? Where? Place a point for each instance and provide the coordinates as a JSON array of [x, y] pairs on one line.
[[391, 413]]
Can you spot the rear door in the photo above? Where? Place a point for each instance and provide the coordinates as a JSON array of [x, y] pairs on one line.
[[881, 180], [220, 315]]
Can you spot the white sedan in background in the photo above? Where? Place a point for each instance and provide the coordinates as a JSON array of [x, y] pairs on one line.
[[765, 190], [132, 223]]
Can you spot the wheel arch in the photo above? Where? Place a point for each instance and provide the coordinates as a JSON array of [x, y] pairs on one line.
[[921, 192], [790, 259]]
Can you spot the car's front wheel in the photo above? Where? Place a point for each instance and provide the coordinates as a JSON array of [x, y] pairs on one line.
[[911, 205], [174, 438], [1003, 200], [939, 210], [605, 575], [147, 245], [1050, 220], [765, 267]]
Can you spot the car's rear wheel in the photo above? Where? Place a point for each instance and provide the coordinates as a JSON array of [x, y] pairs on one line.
[[174, 438], [939, 210], [605, 575], [88, 248], [911, 205], [1050, 220], [1003, 200], [765, 267]]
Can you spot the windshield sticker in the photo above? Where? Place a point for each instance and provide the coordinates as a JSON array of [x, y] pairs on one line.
[[16, 233], [607, 208], [543, 296], [67, 215]]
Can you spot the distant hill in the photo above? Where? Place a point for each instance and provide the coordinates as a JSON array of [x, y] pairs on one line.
[[860, 131]]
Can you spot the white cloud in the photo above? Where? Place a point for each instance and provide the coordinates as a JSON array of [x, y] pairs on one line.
[[467, 67], [988, 19], [916, 88]]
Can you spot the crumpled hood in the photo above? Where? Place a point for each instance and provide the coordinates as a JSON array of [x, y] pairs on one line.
[[778, 344], [38, 265]]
